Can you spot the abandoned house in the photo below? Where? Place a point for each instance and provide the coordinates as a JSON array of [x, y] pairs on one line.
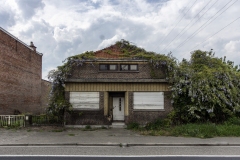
[[112, 88], [22, 89]]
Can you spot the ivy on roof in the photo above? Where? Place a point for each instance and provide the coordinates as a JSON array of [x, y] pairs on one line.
[[128, 51]]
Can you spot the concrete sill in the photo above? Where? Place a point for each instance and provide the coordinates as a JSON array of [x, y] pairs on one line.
[[148, 110], [118, 71], [82, 109]]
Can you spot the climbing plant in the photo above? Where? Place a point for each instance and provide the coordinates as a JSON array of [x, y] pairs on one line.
[[127, 51], [206, 88], [58, 76]]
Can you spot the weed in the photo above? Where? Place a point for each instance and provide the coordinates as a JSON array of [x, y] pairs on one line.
[[71, 134], [205, 130], [57, 130], [88, 127], [103, 127], [133, 125]]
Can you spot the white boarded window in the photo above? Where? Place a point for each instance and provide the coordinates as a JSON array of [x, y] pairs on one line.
[[148, 100], [133, 67], [84, 100]]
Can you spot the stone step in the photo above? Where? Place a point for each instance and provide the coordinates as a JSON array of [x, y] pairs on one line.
[[118, 125]]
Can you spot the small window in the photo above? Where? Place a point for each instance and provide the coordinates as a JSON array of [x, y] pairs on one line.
[[124, 67], [128, 67], [112, 67], [103, 67], [133, 67], [107, 67]]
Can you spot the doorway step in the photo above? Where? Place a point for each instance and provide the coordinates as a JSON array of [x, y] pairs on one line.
[[118, 125]]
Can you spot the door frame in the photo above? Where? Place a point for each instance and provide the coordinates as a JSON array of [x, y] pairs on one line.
[[118, 108]]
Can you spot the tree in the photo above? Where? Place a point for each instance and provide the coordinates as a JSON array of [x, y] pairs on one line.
[[206, 88]]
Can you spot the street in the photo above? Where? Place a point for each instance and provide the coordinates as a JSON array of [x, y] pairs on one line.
[[116, 151]]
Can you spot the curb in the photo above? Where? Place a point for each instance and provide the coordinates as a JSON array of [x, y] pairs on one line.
[[121, 144]]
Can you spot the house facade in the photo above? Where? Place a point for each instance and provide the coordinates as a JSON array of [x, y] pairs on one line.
[[111, 88], [21, 84]]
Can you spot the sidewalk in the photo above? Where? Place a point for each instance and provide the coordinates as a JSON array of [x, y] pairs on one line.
[[34, 136]]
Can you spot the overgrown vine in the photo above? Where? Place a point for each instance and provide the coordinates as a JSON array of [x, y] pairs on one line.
[[206, 88], [128, 51]]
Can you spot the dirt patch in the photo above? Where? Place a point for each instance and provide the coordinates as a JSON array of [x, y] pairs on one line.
[[38, 128]]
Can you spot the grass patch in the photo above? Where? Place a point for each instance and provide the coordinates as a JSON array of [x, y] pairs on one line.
[[205, 130], [134, 126], [71, 134], [103, 127], [58, 130], [89, 128]]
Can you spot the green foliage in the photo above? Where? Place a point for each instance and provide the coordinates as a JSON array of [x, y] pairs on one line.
[[57, 98], [158, 124], [133, 126], [71, 134], [58, 104], [200, 130], [233, 121], [205, 88], [44, 119], [88, 127]]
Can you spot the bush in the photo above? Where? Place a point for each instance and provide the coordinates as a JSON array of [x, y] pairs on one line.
[[233, 121]]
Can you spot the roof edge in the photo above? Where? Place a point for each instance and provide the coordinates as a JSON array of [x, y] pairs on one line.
[[118, 80], [19, 40]]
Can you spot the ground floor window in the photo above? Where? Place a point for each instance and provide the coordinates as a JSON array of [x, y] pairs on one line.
[[148, 100], [84, 100]]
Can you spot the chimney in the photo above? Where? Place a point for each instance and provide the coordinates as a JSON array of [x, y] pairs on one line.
[[32, 46]]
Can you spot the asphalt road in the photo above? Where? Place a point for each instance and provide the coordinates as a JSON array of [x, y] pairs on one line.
[[118, 158], [118, 151]]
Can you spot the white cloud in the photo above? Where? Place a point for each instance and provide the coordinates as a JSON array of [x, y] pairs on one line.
[[63, 28], [107, 42]]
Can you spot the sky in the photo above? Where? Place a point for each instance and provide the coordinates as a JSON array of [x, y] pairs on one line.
[[62, 28]]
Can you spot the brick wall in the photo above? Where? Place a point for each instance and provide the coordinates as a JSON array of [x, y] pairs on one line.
[[20, 77], [96, 117], [91, 71], [45, 91], [81, 117]]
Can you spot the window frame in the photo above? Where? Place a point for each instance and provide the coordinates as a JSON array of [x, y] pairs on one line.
[[128, 67], [108, 67], [140, 103], [80, 100]]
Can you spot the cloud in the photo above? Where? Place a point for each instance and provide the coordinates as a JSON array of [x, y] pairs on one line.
[[107, 42], [232, 50], [64, 28], [29, 7], [7, 14], [6, 19]]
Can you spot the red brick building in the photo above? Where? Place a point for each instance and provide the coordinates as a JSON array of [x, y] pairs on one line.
[[21, 83]]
